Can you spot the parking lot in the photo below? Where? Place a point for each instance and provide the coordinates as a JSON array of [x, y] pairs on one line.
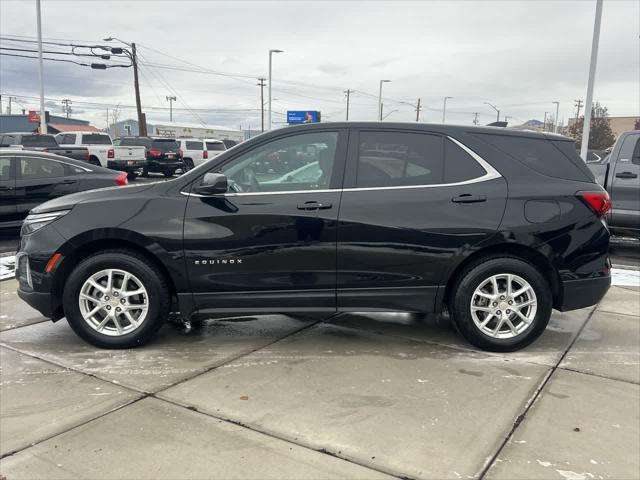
[[349, 396]]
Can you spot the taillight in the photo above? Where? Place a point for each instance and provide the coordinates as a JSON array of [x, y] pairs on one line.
[[122, 179], [45, 150], [599, 201], [205, 154], [87, 157], [111, 153], [180, 152], [155, 153]]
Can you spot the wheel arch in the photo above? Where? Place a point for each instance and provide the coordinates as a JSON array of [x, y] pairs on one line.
[[528, 254], [88, 244]]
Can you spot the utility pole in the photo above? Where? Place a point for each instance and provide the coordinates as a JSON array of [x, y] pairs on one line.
[[475, 118], [142, 126], [261, 84], [66, 109], [108, 125], [578, 105], [348, 92], [506, 118], [586, 127], [418, 108], [557, 104], [171, 99], [544, 125], [9, 107], [43, 120]]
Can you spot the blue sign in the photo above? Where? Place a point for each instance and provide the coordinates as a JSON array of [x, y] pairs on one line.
[[302, 116]]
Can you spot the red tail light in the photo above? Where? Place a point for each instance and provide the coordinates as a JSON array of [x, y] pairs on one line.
[[598, 201], [87, 157], [46, 150], [122, 179], [205, 154], [179, 152], [155, 153], [111, 153]]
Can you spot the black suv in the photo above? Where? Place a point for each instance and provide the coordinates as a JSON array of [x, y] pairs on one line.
[[496, 226], [163, 154]]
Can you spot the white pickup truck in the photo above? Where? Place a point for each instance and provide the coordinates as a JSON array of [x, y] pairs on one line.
[[104, 153]]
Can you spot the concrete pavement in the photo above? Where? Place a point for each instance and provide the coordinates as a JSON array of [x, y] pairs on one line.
[[354, 396]]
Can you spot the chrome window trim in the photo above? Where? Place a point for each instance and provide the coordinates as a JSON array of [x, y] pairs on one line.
[[491, 174]]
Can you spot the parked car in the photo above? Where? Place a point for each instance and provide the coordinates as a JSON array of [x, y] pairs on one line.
[[618, 173], [496, 226], [42, 143], [162, 154], [29, 178], [193, 151], [102, 152], [214, 147]]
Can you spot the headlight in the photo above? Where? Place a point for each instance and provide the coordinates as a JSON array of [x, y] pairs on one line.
[[37, 221]]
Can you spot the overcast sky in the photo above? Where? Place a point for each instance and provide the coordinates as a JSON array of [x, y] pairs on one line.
[[519, 55]]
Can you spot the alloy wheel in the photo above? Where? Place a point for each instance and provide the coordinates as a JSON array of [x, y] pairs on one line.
[[113, 302], [503, 306]]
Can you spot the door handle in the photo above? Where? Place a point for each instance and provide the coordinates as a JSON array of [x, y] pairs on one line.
[[626, 175], [313, 205], [468, 198]]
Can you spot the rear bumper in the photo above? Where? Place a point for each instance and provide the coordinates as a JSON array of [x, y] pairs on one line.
[[583, 292], [126, 165], [162, 165]]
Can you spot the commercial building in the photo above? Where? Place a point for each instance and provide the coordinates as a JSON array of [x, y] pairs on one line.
[[55, 124]]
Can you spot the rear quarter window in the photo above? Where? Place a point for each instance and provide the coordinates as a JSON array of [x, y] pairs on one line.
[[542, 155]]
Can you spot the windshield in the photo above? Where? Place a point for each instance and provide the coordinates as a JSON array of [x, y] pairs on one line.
[[39, 141], [96, 139], [165, 145], [215, 146]]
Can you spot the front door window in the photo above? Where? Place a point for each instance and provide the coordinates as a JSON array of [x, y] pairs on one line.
[[298, 162]]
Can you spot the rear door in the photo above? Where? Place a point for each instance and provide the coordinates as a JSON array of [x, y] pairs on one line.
[[625, 185], [8, 209], [412, 202], [39, 179]]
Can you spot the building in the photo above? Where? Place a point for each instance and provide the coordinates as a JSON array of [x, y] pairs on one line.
[[618, 124], [127, 128], [174, 129], [55, 124]]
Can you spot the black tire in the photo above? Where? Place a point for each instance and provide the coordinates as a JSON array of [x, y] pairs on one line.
[[94, 161], [188, 164], [473, 276], [150, 276], [145, 173], [131, 176], [169, 173]]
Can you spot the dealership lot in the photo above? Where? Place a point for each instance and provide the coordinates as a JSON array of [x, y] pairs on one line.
[[350, 396]]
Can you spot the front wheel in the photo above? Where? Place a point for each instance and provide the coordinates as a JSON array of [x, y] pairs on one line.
[[501, 304], [116, 299]]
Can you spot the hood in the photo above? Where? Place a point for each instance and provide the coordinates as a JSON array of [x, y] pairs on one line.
[[69, 201]]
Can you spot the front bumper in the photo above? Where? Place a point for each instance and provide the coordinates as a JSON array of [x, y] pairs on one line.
[[583, 292], [39, 301]]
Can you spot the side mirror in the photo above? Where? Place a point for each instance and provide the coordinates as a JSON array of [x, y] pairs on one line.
[[212, 184]]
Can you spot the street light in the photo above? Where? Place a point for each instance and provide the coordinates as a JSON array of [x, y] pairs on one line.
[[142, 123], [271, 52], [171, 99], [43, 120], [444, 108], [380, 99], [592, 76], [557, 104], [495, 108]]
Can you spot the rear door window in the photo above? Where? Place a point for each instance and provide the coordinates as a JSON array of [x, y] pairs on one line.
[[5, 169], [541, 155], [34, 167], [165, 145], [389, 158]]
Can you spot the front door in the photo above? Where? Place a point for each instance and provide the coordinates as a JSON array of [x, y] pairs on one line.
[[624, 185], [269, 243], [412, 202]]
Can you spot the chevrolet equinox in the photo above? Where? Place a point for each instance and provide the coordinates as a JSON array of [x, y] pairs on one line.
[[495, 226]]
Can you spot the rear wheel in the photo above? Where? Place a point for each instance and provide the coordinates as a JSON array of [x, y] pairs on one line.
[[188, 164], [169, 173], [116, 299], [94, 161], [501, 304], [131, 175]]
